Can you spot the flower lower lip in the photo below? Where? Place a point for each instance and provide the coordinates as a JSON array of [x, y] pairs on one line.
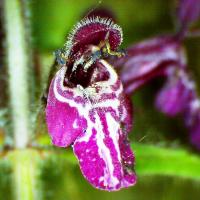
[[90, 118]]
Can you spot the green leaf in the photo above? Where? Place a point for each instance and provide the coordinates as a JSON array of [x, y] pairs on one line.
[[155, 160]]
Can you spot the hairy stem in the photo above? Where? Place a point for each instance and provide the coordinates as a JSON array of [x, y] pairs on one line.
[[25, 168], [17, 60]]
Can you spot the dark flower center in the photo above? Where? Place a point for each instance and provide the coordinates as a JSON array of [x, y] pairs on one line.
[[79, 76], [91, 39]]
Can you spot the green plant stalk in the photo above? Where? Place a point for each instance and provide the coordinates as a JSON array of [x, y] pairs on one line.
[[17, 61], [25, 184]]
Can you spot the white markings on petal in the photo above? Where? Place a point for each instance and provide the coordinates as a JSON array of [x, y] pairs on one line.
[[108, 151], [105, 154], [90, 93], [75, 125], [113, 128]]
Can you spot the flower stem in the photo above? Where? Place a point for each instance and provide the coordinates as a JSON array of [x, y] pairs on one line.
[[25, 180], [17, 61]]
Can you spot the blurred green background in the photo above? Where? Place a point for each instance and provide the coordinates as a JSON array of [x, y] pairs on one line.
[[58, 174]]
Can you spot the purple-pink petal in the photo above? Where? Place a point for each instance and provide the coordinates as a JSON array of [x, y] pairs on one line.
[[105, 158], [188, 12], [195, 133], [64, 122], [103, 150], [148, 59], [96, 121], [192, 121], [175, 96]]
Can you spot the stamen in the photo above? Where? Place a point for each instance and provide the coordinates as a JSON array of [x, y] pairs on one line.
[[88, 65], [96, 54], [78, 62], [107, 50]]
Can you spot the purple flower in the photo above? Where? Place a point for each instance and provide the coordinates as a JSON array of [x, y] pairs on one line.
[[163, 56], [149, 59], [195, 131], [192, 120], [87, 107], [188, 12], [176, 93]]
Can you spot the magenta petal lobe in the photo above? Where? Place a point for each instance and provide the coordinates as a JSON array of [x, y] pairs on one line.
[[64, 121], [149, 59], [192, 121], [104, 153], [103, 161], [175, 96], [188, 12], [96, 121]]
